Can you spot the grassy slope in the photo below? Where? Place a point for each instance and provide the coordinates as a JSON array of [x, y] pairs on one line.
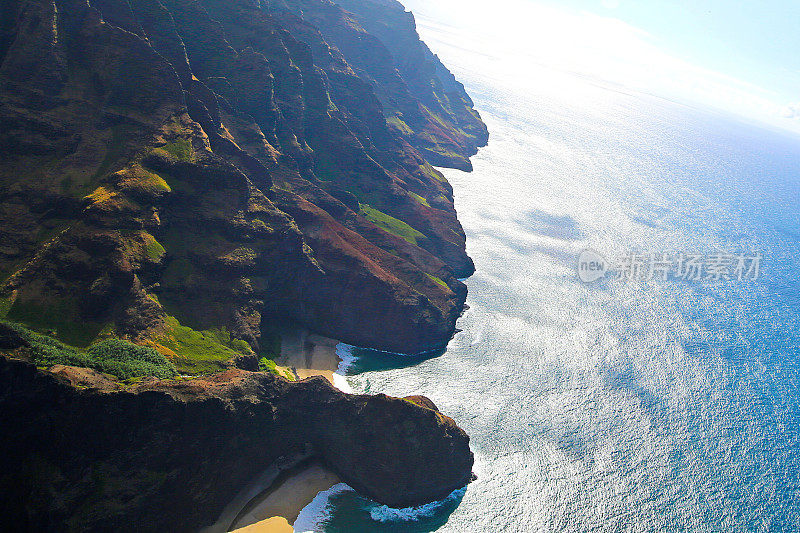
[[391, 224]]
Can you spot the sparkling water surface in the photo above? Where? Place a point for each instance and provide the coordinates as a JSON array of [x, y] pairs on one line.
[[636, 406]]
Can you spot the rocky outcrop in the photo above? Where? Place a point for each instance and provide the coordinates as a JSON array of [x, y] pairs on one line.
[[217, 162], [90, 454]]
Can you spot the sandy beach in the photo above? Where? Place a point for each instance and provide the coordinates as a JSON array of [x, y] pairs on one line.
[[308, 354], [276, 524], [275, 509]]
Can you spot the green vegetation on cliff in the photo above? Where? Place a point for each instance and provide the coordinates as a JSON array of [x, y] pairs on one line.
[[199, 352], [391, 224], [126, 360], [420, 199], [211, 350], [111, 356], [268, 365], [5, 305], [438, 281], [154, 250], [181, 150]]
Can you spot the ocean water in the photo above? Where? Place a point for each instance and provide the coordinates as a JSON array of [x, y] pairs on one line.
[[645, 405]]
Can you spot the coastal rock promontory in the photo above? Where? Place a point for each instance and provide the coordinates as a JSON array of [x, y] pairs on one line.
[[92, 454]]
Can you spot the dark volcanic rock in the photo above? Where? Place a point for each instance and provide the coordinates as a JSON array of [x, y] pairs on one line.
[[168, 456]]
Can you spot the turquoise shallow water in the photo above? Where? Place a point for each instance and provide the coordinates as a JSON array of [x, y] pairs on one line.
[[638, 406]]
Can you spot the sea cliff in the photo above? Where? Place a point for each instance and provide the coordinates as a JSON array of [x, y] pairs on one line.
[[178, 180], [218, 163]]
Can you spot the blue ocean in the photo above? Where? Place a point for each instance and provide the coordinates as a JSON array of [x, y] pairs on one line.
[[624, 404]]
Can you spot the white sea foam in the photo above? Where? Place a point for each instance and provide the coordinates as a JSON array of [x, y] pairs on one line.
[[384, 513], [346, 360], [313, 515], [340, 382]]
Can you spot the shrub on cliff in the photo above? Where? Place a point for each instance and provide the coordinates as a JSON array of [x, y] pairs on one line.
[[113, 356], [268, 365], [126, 360]]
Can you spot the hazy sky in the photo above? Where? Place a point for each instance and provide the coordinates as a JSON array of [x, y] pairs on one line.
[[757, 41], [743, 56]]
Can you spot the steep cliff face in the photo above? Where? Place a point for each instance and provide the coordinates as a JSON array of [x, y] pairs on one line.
[[93, 455], [185, 174], [215, 163], [421, 99]]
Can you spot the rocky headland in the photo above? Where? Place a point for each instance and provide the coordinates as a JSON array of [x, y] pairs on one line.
[[90, 454]]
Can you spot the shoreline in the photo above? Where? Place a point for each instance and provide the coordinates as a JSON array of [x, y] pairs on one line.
[[276, 507]]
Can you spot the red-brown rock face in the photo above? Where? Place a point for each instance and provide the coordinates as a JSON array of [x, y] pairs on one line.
[[220, 161]]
